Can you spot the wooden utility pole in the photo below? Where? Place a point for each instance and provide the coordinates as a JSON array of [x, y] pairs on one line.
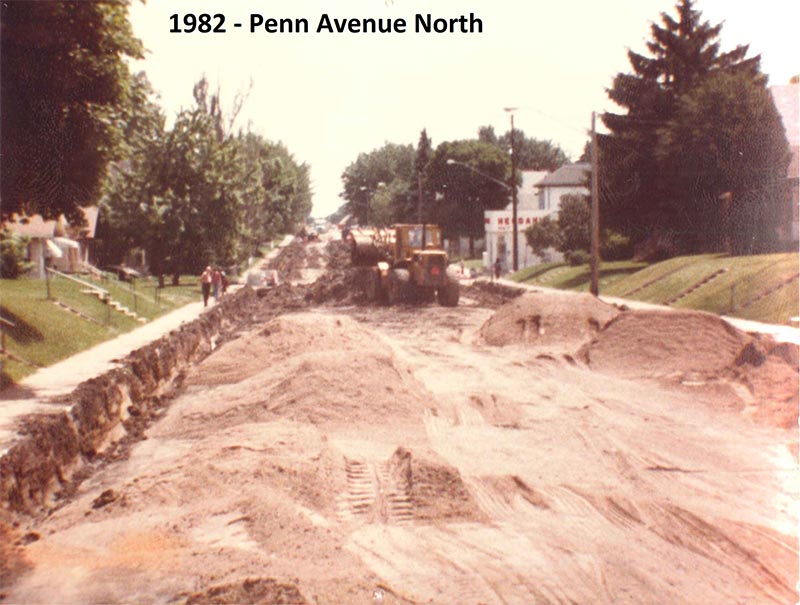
[[594, 260], [515, 228]]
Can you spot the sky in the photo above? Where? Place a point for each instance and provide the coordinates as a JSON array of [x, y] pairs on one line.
[[330, 96]]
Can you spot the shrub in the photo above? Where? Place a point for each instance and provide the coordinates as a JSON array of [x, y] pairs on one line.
[[615, 246], [12, 255], [576, 257]]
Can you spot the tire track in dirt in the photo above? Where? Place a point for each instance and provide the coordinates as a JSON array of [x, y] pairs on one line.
[[375, 493]]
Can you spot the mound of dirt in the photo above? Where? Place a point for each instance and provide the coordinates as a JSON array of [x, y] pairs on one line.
[[657, 344], [438, 493], [13, 562], [564, 320], [313, 368], [257, 591], [701, 350], [342, 283]]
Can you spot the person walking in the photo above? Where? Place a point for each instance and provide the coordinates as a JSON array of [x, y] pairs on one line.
[[216, 283], [498, 268], [206, 280]]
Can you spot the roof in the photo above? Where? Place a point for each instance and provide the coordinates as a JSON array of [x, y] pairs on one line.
[[36, 227], [32, 226], [568, 175]]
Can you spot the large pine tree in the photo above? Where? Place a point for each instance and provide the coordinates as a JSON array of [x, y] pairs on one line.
[[640, 194]]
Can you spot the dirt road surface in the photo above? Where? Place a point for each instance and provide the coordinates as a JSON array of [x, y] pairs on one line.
[[543, 452]]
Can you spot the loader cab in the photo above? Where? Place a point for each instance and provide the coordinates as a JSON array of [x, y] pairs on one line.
[[413, 238]]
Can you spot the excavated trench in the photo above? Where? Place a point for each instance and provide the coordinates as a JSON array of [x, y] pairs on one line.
[[522, 448]]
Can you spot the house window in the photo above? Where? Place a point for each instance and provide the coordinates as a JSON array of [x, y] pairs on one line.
[[541, 199]]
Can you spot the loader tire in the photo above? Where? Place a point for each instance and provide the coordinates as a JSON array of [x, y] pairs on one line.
[[397, 287], [449, 293], [372, 286]]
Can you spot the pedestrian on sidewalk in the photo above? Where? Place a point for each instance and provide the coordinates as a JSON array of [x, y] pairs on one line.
[[216, 283], [498, 268], [206, 280]]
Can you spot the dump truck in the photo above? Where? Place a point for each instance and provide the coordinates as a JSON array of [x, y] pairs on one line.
[[404, 263]]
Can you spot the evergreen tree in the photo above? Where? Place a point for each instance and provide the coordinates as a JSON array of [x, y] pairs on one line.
[[424, 153], [640, 195]]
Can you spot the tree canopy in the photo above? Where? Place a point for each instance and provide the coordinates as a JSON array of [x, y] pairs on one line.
[[391, 166], [198, 194], [473, 182], [64, 85], [531, 153], [667, 98]]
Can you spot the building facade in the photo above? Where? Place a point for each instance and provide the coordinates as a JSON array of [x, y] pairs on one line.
[[538, 196]]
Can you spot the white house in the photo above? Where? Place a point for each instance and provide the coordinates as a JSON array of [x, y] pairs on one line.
[[538, 196], [67, 247]]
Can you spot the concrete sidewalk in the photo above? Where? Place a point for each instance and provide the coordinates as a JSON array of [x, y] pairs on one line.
[[41, 392], [45, 390]]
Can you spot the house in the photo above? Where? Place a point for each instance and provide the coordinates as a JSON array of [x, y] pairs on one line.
[[538, 196], [787, 102], [67, 247]]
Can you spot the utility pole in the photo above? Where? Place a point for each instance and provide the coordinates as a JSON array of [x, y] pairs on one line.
[[419, 207], [514, 193], [594, 259]]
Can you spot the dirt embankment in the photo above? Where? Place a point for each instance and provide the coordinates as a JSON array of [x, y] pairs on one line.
[[685, 349], [105, 410], [701, 351]]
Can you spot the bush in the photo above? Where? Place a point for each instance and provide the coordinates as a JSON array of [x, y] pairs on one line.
[[576, 257], [615, 246], [12, 255]]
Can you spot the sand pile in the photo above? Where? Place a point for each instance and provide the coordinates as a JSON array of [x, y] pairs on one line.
[[564, 320], [310, 368], [701, 350], [654, 344]]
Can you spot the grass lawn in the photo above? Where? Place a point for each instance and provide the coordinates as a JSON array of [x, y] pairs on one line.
[[563, 276], [734, 289], [45, 333], [731, 292]]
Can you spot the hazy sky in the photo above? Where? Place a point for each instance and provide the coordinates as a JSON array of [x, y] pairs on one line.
[[330, 96]]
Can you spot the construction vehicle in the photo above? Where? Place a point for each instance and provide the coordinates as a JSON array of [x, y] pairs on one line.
[[404, 263]]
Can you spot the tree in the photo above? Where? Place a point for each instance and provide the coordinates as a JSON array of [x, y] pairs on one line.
[[64, 82], [533, 154], [424, 153], [476, 182], [379, 168], [544, 234], [639, 195], [726, 137], [573, 220]]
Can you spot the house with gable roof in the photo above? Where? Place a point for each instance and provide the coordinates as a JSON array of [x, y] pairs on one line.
[[68, 247], [538, 196]]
